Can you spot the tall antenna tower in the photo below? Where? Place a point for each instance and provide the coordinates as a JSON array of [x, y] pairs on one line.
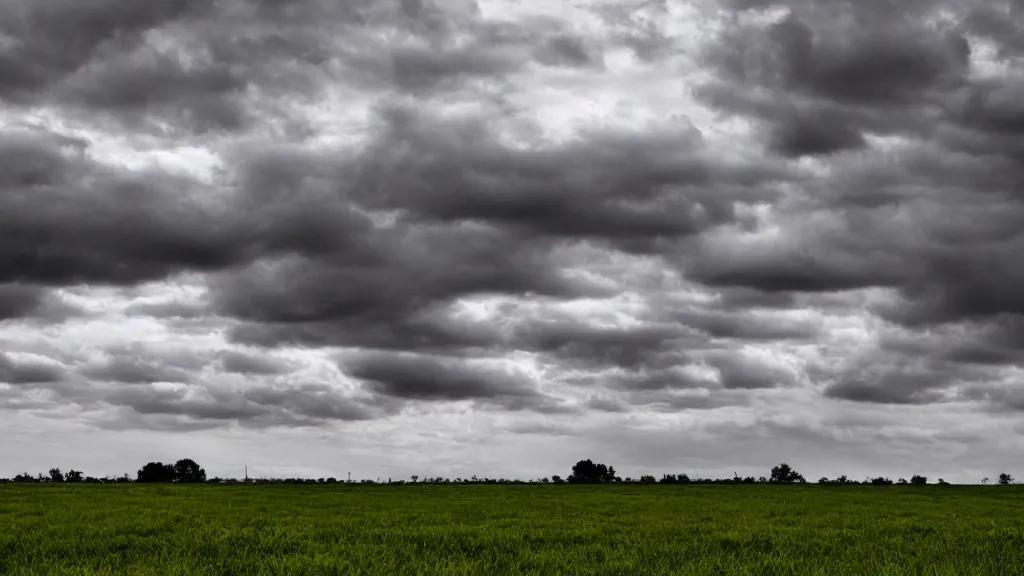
[[247, 473]]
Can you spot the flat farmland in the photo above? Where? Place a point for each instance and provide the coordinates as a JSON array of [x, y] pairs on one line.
[[253, 530]]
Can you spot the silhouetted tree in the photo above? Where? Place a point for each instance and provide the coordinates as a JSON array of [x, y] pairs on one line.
[[918, 480], [785, 474], [188, 472], [823, 480], [155, 472], [881, 481], [647, 479], [1005, 479], [56, 475], [556, 479], [902, 481], [587, 472], [73, 476]]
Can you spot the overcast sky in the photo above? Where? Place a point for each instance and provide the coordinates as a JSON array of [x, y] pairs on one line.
[[456, 237]]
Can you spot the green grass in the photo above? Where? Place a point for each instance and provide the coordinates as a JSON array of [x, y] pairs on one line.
[[543, 530]]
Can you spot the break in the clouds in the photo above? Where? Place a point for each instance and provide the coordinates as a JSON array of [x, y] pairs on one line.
[[452, 237]]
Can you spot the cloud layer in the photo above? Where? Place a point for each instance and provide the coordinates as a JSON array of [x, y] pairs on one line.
[[461, 223]]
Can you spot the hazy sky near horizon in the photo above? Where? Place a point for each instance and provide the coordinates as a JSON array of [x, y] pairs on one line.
[[457, 237]]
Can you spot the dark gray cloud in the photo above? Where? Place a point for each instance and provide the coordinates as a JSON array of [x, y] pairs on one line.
[[744, 373], [100, 55], [417, 69], [576, 343], [744, 297], [748, 325], [162, 388], [428, 331], [258, 406], [1001, 22], [445, 263], [319, 402], [988, 343], [396, 297], [822, 86], [242, 363], [626, 187], [174, 402], [16, 372], [674, 372], [132, 369], [906, 366], [874, 68], [674, 401], [135, 85], [439, 379], [67, 219], [811, 261], [674, 377], [18, 300], [53, 38], [604, 404], [183, 66], [568, 50], [807, 135], [988, 107], [894, 387], [171, 310], [41, 305], [1002, 397]]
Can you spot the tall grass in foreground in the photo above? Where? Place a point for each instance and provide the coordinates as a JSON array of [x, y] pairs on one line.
[[544, 530]]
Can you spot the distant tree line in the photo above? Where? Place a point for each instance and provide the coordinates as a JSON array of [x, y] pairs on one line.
[[187, 471], [183, 471]]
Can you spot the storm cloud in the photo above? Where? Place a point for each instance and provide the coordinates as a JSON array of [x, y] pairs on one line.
[[404, 228]]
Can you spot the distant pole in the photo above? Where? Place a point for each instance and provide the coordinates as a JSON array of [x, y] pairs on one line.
[[246, 472], [349, 477]]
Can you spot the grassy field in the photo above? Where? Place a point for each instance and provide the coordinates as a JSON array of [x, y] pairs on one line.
[[544, 530]]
